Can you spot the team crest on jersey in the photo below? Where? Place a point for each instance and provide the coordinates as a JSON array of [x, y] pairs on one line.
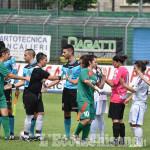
[[140, 81], [90, 73]]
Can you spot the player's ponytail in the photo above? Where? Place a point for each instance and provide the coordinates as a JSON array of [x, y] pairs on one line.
[[119, 58], [141, 64], [146, 62], [2, 44]]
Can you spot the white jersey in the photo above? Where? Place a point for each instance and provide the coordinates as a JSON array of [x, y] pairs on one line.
[[101, 96], [141, 94]]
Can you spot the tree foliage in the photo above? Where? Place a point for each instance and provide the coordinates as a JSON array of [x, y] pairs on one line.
[[77, 4], [137, 1]]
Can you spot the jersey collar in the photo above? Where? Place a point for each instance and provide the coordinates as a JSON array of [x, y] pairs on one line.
[[73, 62], [33, 62]]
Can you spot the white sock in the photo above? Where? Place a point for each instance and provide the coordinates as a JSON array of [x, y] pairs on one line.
[[133, 129], [39, 124], [93, 129], [27, 125], [138, 135], [101, 127]]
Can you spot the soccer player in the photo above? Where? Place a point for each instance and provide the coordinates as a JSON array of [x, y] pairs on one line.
[[10, 64], [85, 97], [32, 97], [82, 62], [5, 74], [118, 96], [29, 56], [139, 105], [73, 69], [100, 100]]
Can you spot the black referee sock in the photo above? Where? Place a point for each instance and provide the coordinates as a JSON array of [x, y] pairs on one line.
[[116, 129]]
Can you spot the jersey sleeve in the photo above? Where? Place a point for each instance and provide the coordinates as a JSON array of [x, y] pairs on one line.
[[78, 71], [117, 76], [138, 85], [14, 68], [84, 75], [3, 70], [44, 74]]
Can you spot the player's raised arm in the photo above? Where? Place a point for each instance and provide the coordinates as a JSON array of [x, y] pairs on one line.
[[127, 86], [142, 77]]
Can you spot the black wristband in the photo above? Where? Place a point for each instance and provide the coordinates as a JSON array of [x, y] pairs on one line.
[[13, 86], [59, 77]]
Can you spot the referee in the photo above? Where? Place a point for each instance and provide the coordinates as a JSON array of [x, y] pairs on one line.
[[73, 69]]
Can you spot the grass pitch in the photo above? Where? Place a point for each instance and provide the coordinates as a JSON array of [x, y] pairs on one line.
[[53, 127]]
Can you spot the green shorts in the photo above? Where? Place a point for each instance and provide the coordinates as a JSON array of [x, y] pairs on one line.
[[86, 110], [3, 103]]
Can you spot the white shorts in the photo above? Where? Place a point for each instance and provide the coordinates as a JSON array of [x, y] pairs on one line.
[[101, 107], [136, 115]]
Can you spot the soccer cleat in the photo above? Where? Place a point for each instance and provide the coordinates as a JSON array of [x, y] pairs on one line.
[[8, 138], [122, 142], [114, 142], [26, 139], [12, 137], [65, 138], [75, 137], [85, 143], [38, 138]]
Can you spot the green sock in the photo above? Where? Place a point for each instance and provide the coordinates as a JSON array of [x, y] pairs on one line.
[[86, 131], [5, 123], [79, 128]]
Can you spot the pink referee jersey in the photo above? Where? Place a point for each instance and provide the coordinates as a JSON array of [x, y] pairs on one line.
[[119, 93]]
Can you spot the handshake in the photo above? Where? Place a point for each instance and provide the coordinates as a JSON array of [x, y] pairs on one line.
[[101, 73]]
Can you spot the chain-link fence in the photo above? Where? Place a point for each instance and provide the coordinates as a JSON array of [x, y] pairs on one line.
[[40, 18]]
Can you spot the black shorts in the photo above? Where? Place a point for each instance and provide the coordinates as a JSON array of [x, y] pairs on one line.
[[8, 95], [69, 100], [32, 102], [116, 110]]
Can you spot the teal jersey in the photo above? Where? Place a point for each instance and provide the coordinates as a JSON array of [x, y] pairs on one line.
[[27, 70], [3, 72], [12, 67], [73, 70], [85, 93]]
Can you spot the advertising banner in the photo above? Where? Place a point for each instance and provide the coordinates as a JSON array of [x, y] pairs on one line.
[[54, 70], [101, 47], [18, 43]]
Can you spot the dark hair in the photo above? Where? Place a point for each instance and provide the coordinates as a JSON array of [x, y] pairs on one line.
[[119, 58], [141, 64], [88, 59], [2, 44], [69, 47], [83, 58], [31, 52], [3, 50], [40, 56]]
